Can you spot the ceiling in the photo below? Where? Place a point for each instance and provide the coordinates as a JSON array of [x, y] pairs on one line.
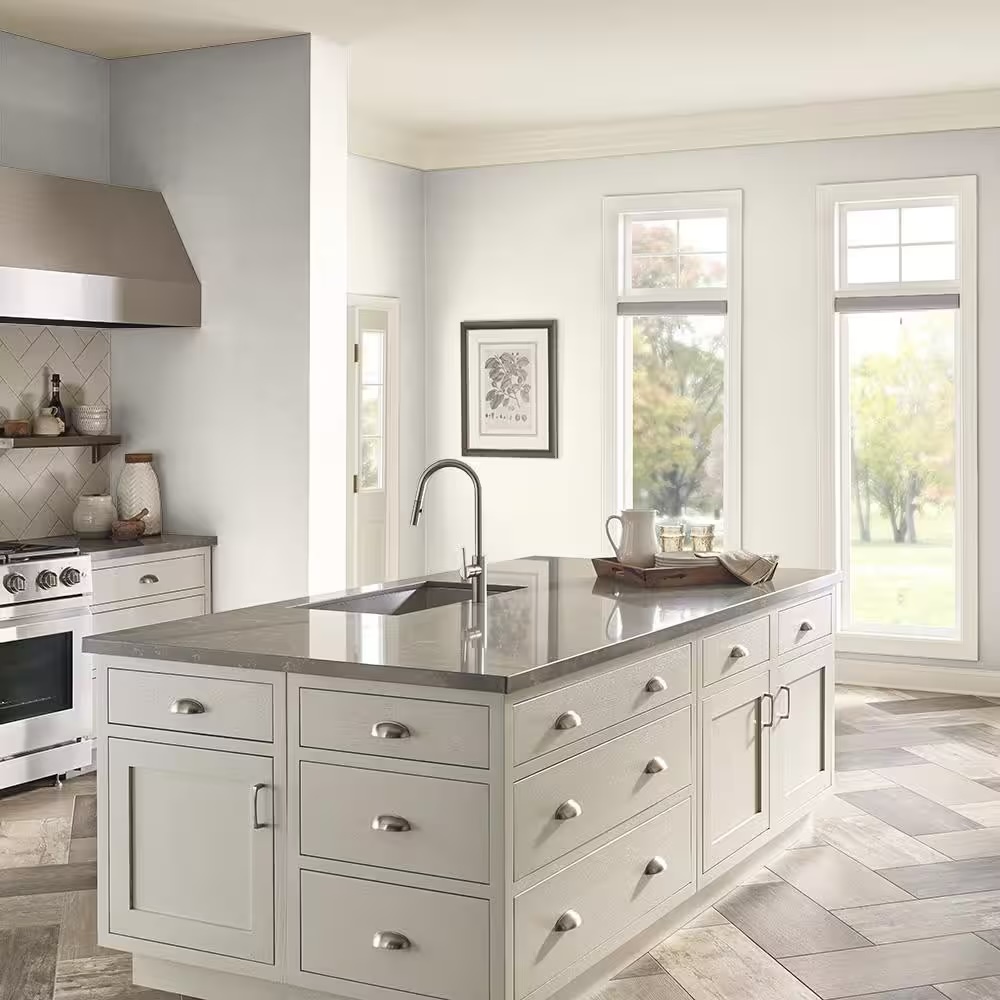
[[448, 68]]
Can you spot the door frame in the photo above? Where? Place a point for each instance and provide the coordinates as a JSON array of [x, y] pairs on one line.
[[390, 305]]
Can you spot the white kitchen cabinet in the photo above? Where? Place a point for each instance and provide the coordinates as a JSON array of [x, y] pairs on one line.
[[191, 848], [802, 736], [735, 748]]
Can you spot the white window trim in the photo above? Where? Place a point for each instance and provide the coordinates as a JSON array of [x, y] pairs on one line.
[[836, 542], [617, 391]]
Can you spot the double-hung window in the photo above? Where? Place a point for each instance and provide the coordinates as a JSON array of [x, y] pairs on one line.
[[673, 266], [898, 287]]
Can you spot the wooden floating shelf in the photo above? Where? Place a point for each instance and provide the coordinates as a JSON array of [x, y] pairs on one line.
[[95, 442]]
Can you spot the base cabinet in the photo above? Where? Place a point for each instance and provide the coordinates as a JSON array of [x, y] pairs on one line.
[[191, 848]]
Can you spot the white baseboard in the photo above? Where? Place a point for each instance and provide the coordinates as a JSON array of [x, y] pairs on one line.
[[918, 677]]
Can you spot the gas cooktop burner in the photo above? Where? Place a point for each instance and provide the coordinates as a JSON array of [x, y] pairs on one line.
[[16, 552]]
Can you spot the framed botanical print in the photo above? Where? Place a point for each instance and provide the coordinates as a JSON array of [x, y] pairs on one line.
[[509, 388]]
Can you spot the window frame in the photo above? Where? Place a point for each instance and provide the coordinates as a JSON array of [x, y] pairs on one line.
[[835, 507], [617, 210]]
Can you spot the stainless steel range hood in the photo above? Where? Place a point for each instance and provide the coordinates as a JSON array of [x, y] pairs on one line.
[[77, 253]]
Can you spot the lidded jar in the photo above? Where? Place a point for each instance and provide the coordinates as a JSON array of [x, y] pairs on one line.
[[138, 487], [93, 516]]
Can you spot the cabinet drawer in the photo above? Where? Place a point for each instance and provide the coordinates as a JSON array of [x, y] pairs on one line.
[[805, 623], [218, 707], [150, 614], [728, 653], [599, 789], [606, 890], [600, 702], [447, 936], [146, 579], [355, 814], [411, 728]]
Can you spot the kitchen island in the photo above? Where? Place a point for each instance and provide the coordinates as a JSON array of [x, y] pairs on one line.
[[395, 792]]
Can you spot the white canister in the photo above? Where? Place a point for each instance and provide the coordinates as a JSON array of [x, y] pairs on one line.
[[138, 487], [93, 516]]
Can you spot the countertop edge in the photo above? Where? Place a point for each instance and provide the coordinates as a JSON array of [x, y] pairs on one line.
[[105, 550]]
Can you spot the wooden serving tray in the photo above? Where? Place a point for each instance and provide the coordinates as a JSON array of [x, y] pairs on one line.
[[666, 576]]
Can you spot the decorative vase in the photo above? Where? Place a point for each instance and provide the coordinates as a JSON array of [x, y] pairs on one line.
[[139, 488], [93, 516]]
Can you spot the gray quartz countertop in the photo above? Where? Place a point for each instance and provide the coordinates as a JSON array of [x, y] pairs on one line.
[[561, 620], [104, 549]]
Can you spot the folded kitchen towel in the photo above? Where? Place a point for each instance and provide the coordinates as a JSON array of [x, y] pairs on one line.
[[748, 566]]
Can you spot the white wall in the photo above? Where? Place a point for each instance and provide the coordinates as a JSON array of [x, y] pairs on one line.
[[386, 257], [224, 134], [525, 241]]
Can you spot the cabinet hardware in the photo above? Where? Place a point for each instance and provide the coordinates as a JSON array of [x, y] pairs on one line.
[[254, 794], [390, 731], [570, 809], [149, 578], [655, 685], [656, 866], [187, 706], [391, 824], [656, 765], [738, 652], [390, 941], [770, 703], [569, 921], [568, 720], [806, 626], [788, 702]]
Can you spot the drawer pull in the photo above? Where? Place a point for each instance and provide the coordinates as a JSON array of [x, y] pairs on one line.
[[656, 765], [788, 702], [656, 866], [187, 706], [254, 796], [655, 685], [149, 578], [568, 720], [390, 731], [391, 824], [806, 626], [570, 809], [738, 652], [390, 941], [569, 921]]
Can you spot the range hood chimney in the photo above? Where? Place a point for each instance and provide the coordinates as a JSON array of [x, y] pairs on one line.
[[78, 253]]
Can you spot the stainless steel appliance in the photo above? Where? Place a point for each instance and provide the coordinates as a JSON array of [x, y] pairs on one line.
[[46, 681]]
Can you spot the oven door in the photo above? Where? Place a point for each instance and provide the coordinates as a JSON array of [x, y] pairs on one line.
[[46, 690]]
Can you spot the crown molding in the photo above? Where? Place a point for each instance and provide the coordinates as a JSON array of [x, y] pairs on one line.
[[847, 119]]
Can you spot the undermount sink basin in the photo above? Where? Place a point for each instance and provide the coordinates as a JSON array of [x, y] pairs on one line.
[[407, 600]]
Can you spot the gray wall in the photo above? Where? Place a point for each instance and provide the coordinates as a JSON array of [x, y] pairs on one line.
[[224, 134]]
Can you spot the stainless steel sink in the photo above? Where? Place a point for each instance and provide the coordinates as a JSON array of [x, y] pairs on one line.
[[407, 600]]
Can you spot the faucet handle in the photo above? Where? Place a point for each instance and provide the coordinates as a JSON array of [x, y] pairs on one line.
[[467, 571]]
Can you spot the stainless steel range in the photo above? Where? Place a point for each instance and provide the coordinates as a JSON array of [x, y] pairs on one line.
[[46, 684]]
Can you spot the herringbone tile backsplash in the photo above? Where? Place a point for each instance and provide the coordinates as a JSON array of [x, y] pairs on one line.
[[39, 487]]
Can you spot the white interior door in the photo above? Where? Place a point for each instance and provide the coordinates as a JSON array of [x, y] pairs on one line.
[[373, 436]]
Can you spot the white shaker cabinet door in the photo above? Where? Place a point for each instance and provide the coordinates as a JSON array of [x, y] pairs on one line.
[[191, 848], [735, 744], [802, 738]]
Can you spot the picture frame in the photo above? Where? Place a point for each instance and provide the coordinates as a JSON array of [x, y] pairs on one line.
[[509, 388]]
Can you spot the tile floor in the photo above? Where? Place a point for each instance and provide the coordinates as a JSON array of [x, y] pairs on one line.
[[896, 896]]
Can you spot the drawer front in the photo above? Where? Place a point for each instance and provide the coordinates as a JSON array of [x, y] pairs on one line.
[[147, 579], [214, 707], [805, 623], [150, 614], [404, 821], [564, 716], [728, 653], [606, 890], [448, 936], [599, 789], [439, 731]]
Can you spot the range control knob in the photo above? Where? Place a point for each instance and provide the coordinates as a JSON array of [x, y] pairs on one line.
[[46, 580], [14, 583], [70, 576]]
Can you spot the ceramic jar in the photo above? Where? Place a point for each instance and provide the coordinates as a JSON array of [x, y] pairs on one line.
[[93, 516], [138, 487]]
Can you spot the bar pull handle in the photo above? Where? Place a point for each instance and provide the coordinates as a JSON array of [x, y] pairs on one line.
[[254, 797], [770, 702], [788, 702]]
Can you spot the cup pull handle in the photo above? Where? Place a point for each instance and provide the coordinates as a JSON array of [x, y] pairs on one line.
[[391, 824], [569, 921], [568, 720], [187, 706], [570, 809], [390, 941], [806, 626], [390, 731], [738, 652], [147, 578], [656, 866], [656, 684], [656, 765]]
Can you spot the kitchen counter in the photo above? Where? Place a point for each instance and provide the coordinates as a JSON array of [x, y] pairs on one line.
[[104, 549], [560, 621]]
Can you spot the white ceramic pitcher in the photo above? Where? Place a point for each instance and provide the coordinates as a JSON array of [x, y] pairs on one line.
[[638, 542]]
